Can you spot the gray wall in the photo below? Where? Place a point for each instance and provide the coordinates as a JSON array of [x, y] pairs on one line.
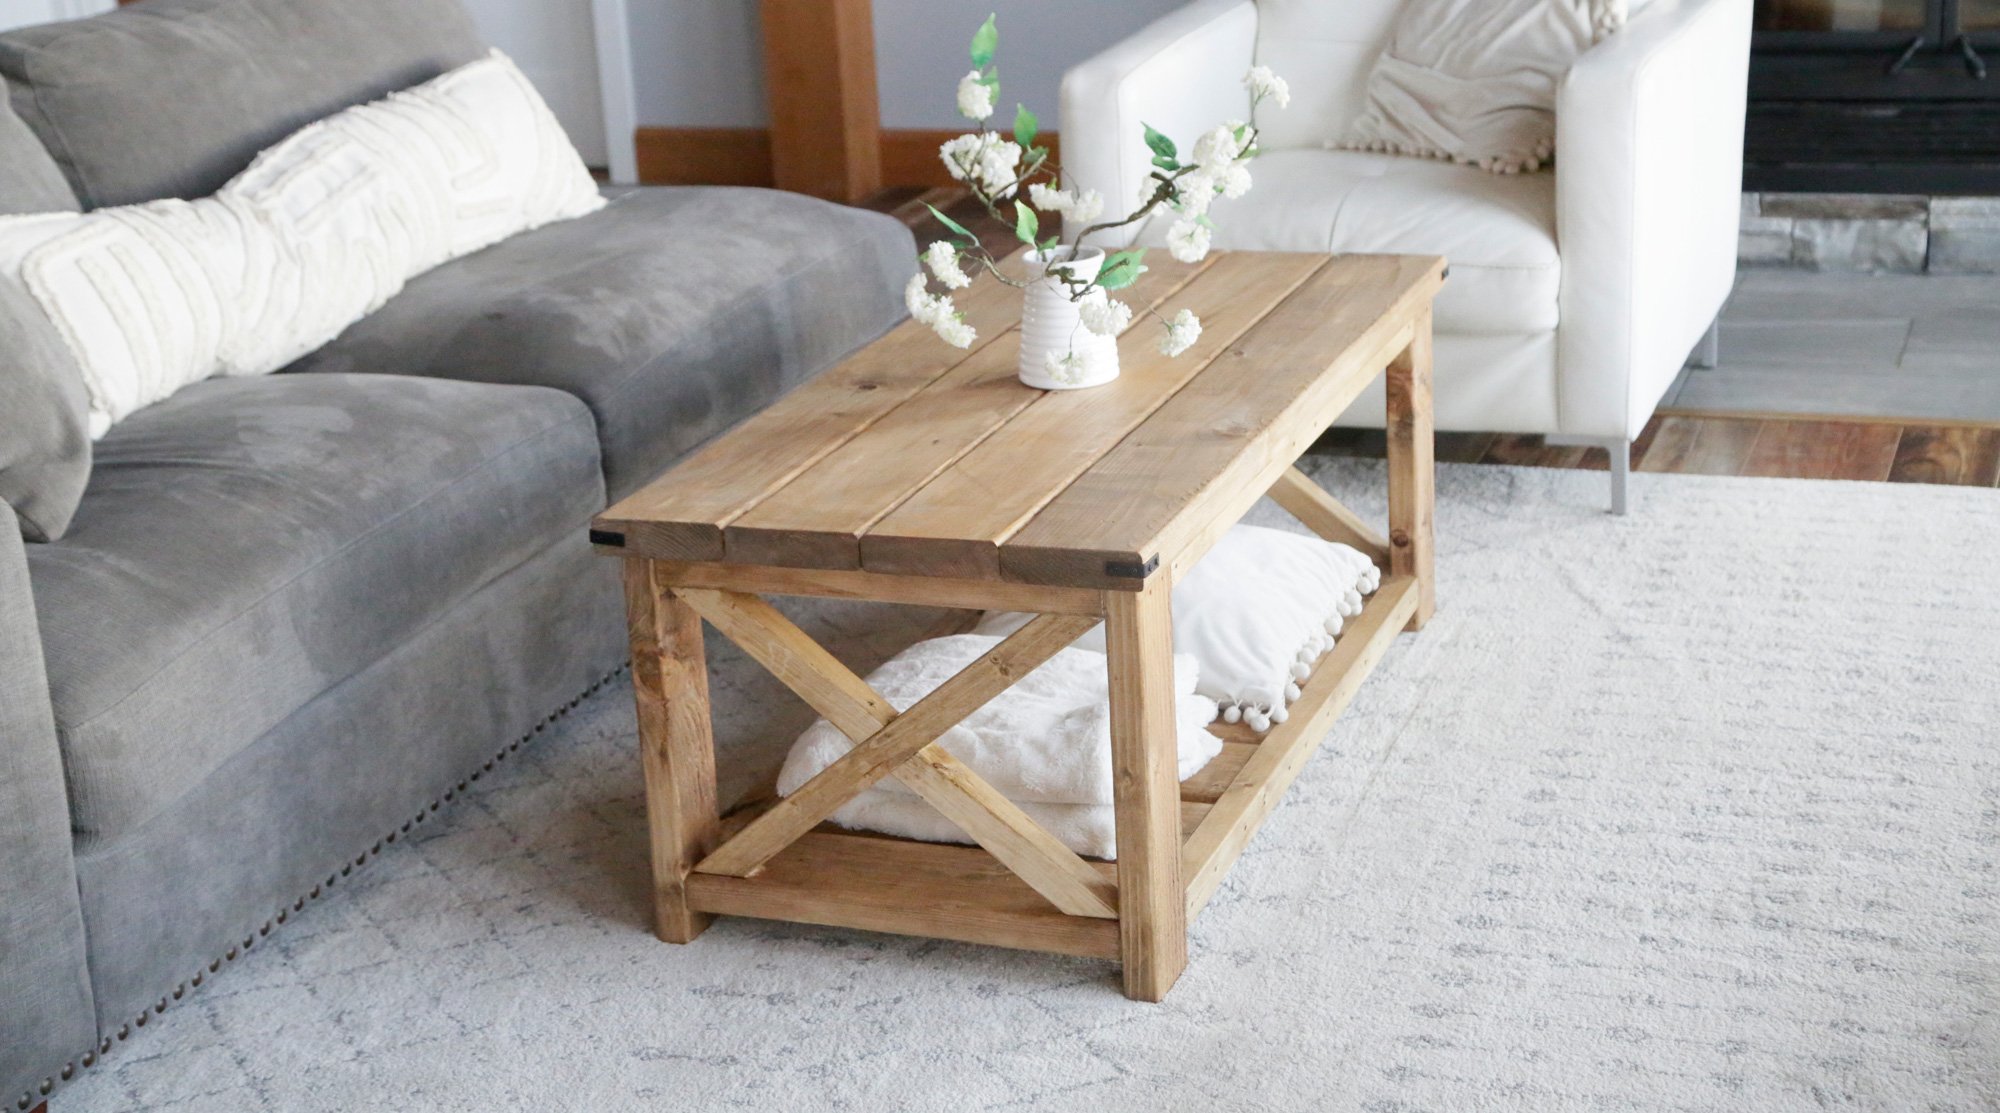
[[696, 63]]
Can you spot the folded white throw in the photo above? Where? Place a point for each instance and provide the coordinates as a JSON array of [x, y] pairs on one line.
[[1044, 743]]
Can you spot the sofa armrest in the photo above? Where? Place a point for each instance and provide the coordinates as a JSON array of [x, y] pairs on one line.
[[47, 1020], [1649, 180], [1183, 74]]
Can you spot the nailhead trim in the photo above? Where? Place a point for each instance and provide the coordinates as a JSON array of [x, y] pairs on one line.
[[90, 1058]]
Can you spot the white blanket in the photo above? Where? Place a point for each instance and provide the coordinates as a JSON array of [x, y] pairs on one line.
[[1044, 743]]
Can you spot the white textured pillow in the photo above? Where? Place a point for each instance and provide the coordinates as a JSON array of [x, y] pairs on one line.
[[1255, 613], [1475, 81], [318, 232]]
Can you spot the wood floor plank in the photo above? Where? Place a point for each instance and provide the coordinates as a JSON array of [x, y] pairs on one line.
[[1823, 450], [1529, 450], [818, 518], [1954, 455], [1699, 446], [955, 525]]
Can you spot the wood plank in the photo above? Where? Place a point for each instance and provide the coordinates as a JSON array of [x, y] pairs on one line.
[[907, 888], [817, 520], [704, 156], [1412, 471], [1955, 455], [1208, 783], [1823, 450], [877, 754], [1699, 446], [819, 77], [1263, 779], [1531, 450], [955, 524], [826, 684], [681, 515], [1211, 451], [1324, 515], [982, 595], [677, 750], [1152, 908]]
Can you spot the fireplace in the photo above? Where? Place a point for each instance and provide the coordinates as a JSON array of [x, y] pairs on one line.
[[1874, 96]]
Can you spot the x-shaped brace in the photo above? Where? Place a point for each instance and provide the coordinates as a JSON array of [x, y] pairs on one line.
[[903, 745]]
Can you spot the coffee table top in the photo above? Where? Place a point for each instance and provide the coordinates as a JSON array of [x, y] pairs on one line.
[[917, 459]]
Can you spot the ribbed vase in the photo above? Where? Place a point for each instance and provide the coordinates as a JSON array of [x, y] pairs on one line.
[[1052, 325]]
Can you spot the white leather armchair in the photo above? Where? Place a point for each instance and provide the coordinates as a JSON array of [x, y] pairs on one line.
[[1575, 294]]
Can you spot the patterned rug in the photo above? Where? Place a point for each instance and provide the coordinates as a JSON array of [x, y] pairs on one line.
[[1697, 809]]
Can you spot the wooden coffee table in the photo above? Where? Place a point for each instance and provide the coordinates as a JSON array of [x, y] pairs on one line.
[[917, 473]]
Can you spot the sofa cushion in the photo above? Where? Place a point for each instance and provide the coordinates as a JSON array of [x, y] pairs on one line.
[[171, 98], [673, 313], [249, 543], [30, 180], [1498, 231]]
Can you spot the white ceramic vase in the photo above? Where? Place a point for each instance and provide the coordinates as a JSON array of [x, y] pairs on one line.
[[1051, 324]]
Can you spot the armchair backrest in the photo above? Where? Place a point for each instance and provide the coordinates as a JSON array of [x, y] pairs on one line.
[[1324, 50]]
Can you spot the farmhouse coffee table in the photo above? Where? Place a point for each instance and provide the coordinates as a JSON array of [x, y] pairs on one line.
[[916, 473]]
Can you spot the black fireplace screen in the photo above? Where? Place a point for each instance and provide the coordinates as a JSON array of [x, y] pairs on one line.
[[1874, 96]]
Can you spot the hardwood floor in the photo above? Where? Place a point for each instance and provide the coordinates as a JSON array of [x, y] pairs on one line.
[[1681, 442]]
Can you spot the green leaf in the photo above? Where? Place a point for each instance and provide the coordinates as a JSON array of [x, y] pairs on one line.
[[1024, 126], [985, 42], [1121, 269], [1165, 155], [954, 225], [1049, 244], [1026, 225]]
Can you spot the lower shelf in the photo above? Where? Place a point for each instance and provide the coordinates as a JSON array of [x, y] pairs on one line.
[[881, 883]]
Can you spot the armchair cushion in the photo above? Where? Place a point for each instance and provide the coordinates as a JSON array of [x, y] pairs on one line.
[[1497, 231]]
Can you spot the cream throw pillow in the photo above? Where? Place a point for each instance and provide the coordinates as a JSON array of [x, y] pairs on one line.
[[1475, 81], [318, 232]]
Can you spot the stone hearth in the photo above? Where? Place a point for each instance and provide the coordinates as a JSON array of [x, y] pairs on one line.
[[1885, 233]]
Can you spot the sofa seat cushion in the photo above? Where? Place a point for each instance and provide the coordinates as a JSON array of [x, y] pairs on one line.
[[1498, 231], [673, 313], [249, 543]]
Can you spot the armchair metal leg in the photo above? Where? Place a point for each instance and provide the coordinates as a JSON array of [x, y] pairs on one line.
[[1620, 450], [1708, 350]]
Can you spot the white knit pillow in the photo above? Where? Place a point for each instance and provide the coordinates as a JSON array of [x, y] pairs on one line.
[[1255, 614], [317, 233], [1475, 81]]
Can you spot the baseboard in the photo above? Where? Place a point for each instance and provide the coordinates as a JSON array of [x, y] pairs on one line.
[[742, 156]]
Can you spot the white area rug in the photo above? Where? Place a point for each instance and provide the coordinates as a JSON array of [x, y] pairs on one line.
[[1693, 810]]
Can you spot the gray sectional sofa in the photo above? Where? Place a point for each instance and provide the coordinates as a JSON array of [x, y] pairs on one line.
[[291, 616]]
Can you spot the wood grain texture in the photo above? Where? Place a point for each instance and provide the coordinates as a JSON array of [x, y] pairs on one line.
[[677, 750], [877, 754], [956, 524], [1217, 446], [1699, 446], [1829, 450], [1152, 909], [819, 77], [1412, 471], [908, 888], [681, 515], [817, 520], [1956, 455], [1263, 778], [926, 591], [1210, 781]]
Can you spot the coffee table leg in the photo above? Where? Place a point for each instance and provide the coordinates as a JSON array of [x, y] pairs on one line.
[[670, 681], [1412, 469], [1152, 902]]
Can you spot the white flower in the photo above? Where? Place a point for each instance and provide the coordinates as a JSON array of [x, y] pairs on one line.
[[1183, 329], [1076, 208], [937, 311], [984, 160], [952, 328], [1064, 367], [1197, 192], [942, 259], [1218, 147], [1235, 181], [1102, 314], [1265, 85], [1188, 241], [975, 97]]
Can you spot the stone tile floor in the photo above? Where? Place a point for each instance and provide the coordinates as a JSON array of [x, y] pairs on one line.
[[1883, 346]]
